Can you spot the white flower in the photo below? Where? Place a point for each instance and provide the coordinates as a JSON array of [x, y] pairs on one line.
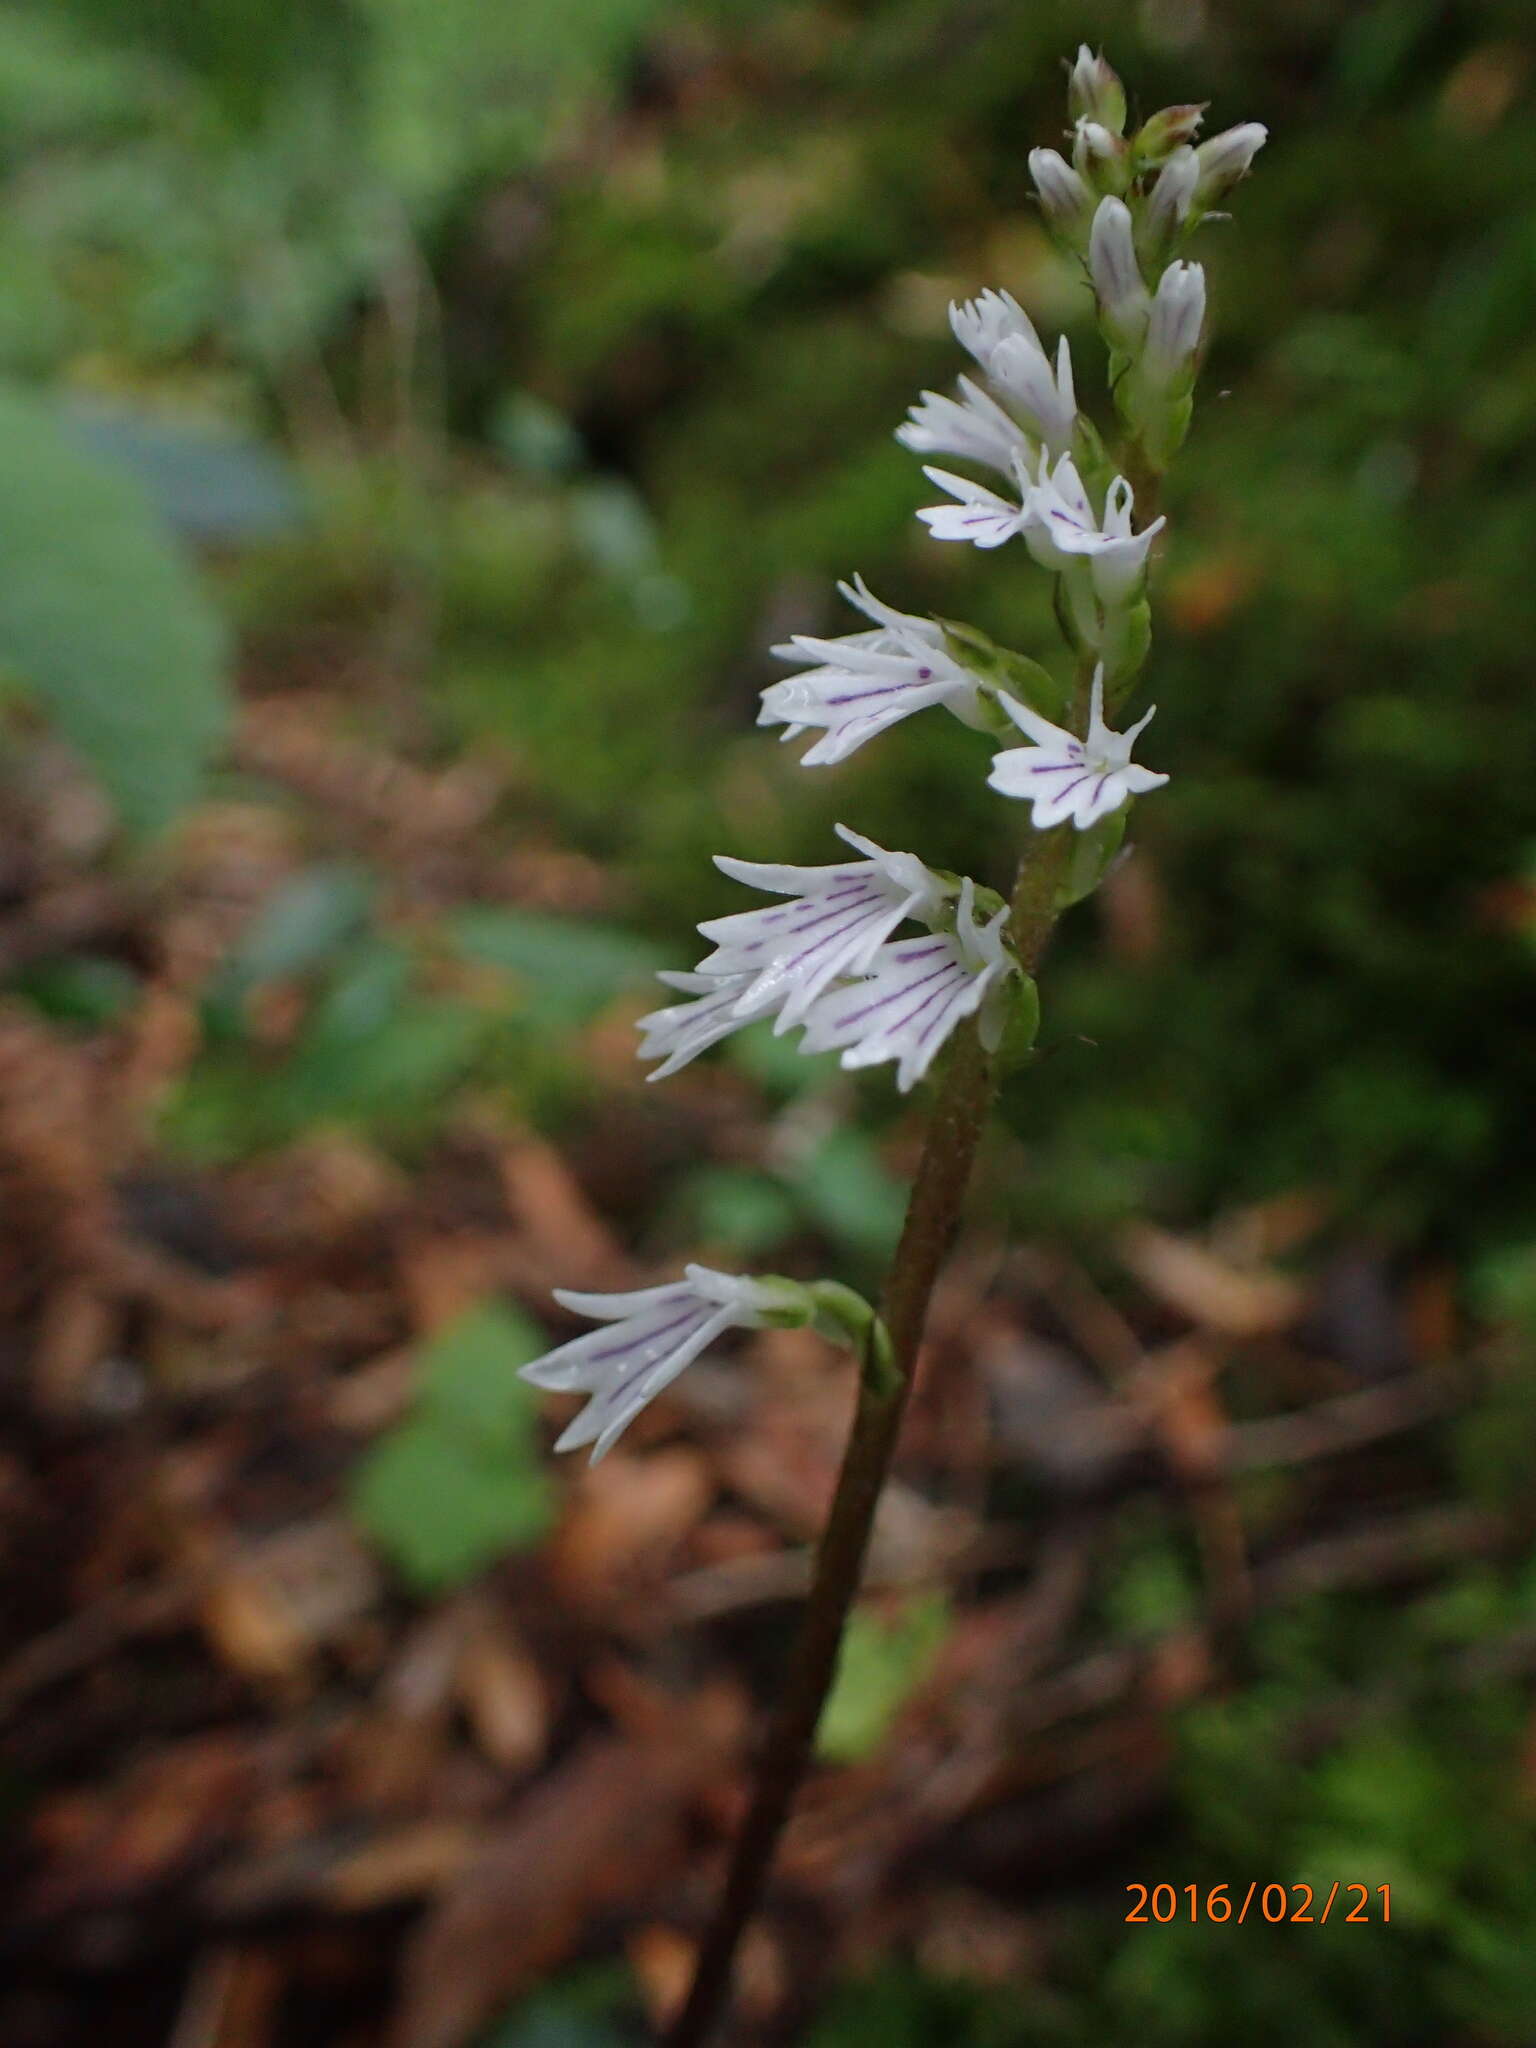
[[1046, 398], [839, 918], [645, 1341], [1124, 305], [867, 681], [980, 324], [680, 1032], [1065, 777], [914, 994], [973, 426], [980, 515], [1058, 524], [996, 330]]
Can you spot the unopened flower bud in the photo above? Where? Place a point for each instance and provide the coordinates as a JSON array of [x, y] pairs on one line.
[[1171, 129], [1173, 331], [1102, 159], [1065, 200], [1124, 306], [1168, 209], [1094, 92], [1153, 397], [1225, 159]]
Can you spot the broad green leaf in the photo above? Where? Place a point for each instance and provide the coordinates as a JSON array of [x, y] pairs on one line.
[[299, 927], [469, 1378], [103, 620], [79, 988], [733, 1205], [442, 1511], [390, 1076], [846, 1188], [460, 1482], [885, 1656], [580, 2011], [570, 968], [208, 483]]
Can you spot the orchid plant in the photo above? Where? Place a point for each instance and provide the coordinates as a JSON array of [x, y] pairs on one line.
[[881, 958]]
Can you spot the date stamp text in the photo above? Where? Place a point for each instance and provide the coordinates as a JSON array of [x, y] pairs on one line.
[[1297, 1905]]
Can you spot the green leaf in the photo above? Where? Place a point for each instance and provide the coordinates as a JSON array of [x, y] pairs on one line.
[[468, 1378], [572, 968], [733, 1205], [373, 1050], [1022, 1027], [208, 483], [103, 620], [1092, 853], [845, 1187], [442, 1512], [299, 927], [460, 1482], [581, 2011], [885, 1657], [79, 988]]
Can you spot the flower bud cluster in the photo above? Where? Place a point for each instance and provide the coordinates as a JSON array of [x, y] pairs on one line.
[[826, 955], [1125, 205]]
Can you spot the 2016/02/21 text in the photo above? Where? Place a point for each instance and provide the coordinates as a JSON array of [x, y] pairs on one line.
[[1296, 1904]]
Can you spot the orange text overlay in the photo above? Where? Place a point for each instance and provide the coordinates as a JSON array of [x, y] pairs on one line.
[[1297, 1905]]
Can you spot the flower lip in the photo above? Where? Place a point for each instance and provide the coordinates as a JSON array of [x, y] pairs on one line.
[[1059, 525], [979, 515], [1065, 778]]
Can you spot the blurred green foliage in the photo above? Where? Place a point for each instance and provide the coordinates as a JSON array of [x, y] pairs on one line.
[[884, 1656], [101, 619], [461, 1480]]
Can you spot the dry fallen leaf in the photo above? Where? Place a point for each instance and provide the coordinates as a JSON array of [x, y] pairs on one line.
[[403, 1864], [552, 1212], [597, 1835], [281, 1599], [505, 1696], [625, 1519], [1207, 1289]]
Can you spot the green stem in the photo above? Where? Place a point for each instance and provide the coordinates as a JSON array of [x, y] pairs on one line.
[[933, 1216], [1144, 478]]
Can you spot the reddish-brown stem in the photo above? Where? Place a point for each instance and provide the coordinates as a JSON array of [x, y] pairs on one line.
[[933, 1216]]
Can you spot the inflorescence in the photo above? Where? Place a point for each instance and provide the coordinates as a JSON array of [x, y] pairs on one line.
[[824, 957]]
